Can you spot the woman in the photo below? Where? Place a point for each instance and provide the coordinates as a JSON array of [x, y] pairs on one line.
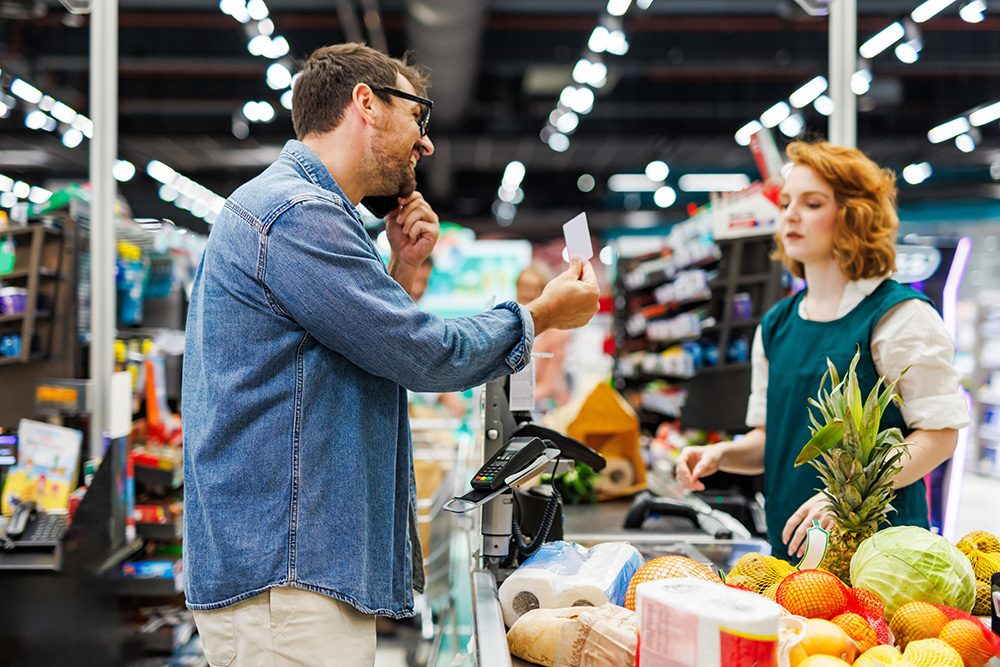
[[837, 230], [551, 385]]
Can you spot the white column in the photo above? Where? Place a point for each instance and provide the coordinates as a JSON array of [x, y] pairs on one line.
[[843, 62], [103, 152]]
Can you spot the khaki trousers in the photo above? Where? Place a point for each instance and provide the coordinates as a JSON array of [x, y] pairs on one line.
[[287, 626]]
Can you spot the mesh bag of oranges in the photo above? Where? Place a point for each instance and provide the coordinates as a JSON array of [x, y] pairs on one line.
[[983, 551], [819, 594], [953, 632], [758, 573], [666, 567]]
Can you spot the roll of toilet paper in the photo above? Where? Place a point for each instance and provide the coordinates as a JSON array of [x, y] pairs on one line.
[[564, 574], [618, 476], [686, 622]]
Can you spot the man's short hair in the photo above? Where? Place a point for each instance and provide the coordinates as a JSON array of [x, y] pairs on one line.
[[326, 81]]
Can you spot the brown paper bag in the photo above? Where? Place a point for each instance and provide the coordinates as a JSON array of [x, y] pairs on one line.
[[606, 423]]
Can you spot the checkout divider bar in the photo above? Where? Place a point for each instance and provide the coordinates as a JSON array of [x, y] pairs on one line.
[[490, 632]]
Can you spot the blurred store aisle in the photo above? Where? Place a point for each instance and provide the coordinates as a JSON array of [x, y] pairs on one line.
[[978, 506]]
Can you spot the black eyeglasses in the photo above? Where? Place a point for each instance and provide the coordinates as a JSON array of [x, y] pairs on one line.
[[425, 105]]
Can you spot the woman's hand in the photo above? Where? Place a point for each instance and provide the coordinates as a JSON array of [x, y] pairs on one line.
[[695, 463], [794, 534]]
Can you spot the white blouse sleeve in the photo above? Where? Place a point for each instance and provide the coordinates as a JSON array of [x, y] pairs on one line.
[[913, 334], [757, 403]]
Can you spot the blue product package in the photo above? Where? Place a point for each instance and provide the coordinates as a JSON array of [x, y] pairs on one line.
[[609, 566]]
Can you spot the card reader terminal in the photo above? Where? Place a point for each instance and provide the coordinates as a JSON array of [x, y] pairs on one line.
[[516, 455]]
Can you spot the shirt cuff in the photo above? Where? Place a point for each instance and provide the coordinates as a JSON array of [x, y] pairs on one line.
[[933, 413], [520, 355]]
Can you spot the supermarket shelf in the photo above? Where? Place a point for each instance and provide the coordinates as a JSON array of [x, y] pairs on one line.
[[43, 271], [161, 532], [172, 478], [147, 587]]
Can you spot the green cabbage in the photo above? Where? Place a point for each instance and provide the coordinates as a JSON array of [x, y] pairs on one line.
[[909, 563]]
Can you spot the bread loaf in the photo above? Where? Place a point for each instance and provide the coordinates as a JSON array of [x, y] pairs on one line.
[[535, 635], [604, 636]]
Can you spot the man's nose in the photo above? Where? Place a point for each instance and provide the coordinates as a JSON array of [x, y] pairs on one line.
[[426, 145]]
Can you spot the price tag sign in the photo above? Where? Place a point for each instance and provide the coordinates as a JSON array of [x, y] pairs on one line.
[[522, 389]]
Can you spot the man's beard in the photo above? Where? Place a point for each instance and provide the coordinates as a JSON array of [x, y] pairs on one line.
[[393, 175]]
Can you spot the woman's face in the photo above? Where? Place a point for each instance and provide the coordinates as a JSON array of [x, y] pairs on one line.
[[808, 220]]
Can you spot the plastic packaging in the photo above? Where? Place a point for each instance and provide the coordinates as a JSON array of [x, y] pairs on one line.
[[564, 574], [13, 300], [687, 622]]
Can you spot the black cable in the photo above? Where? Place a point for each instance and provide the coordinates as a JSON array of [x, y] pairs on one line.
[[523, 546]]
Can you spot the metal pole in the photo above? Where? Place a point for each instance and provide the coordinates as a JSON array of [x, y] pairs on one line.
[[843, 55], [103, 151]]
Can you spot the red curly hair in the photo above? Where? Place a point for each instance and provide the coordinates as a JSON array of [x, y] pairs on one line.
[[865, 239]]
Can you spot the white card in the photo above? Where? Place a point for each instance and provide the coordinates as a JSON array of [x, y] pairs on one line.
[[577, 235], [522, 388]]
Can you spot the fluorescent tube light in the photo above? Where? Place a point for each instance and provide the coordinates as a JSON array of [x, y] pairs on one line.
[[929, 10], [882, 41], [985, 115], [713, 182], [808, 92], [948, 130], [633, 183]]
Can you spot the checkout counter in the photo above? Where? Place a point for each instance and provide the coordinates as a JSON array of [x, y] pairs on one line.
[[657, 535]]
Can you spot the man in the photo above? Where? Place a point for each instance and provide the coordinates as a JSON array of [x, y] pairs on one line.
[[299, 500], [421, 280]]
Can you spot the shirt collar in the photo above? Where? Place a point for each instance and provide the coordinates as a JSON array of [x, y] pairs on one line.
[[306, 160]]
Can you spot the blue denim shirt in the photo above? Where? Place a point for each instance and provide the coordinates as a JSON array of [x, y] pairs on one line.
[[298, 469]]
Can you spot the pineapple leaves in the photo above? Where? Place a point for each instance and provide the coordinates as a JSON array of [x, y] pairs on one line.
[[870, 418], [823, 441], [853, 391]]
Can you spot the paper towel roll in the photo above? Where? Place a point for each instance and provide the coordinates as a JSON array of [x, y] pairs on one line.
[[525, 590], [563, 574], [617, 476]]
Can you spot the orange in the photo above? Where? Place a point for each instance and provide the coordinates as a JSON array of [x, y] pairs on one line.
[[812, 593], [858, 629], [967, 638], [796, 656], [823, 661], [666, 567], [878, 656], [932, 653], [916, 620], [825, 638]]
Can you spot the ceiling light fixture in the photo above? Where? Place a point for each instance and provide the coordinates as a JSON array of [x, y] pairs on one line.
[[633, 183], [618, 7], [824, 105], [948, 130], [25, 91], [657, 170], [965, 142], [665, 197], [808, 92], [882, 40], [793, 125], [914, 174], [744, 133], [775, 114], [861, 82], [713, 182], [586, 183], [972, 12], [984, 115], [930, 9]]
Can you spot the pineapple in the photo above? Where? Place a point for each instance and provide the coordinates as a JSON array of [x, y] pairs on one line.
[[856, 461]]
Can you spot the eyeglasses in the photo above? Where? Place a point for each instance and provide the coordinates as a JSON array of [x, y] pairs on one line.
[[425, 105]]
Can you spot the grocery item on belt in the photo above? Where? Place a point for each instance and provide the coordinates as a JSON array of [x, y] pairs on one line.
[[565, 574], [535, 635], [686, 622], [605, 636]]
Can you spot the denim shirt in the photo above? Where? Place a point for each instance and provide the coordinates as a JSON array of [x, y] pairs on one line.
[[298, 469]]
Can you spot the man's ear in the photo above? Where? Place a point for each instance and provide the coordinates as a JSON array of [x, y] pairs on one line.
[[363, 100]]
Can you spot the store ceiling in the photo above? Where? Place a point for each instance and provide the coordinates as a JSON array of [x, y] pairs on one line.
[[695, 72]]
